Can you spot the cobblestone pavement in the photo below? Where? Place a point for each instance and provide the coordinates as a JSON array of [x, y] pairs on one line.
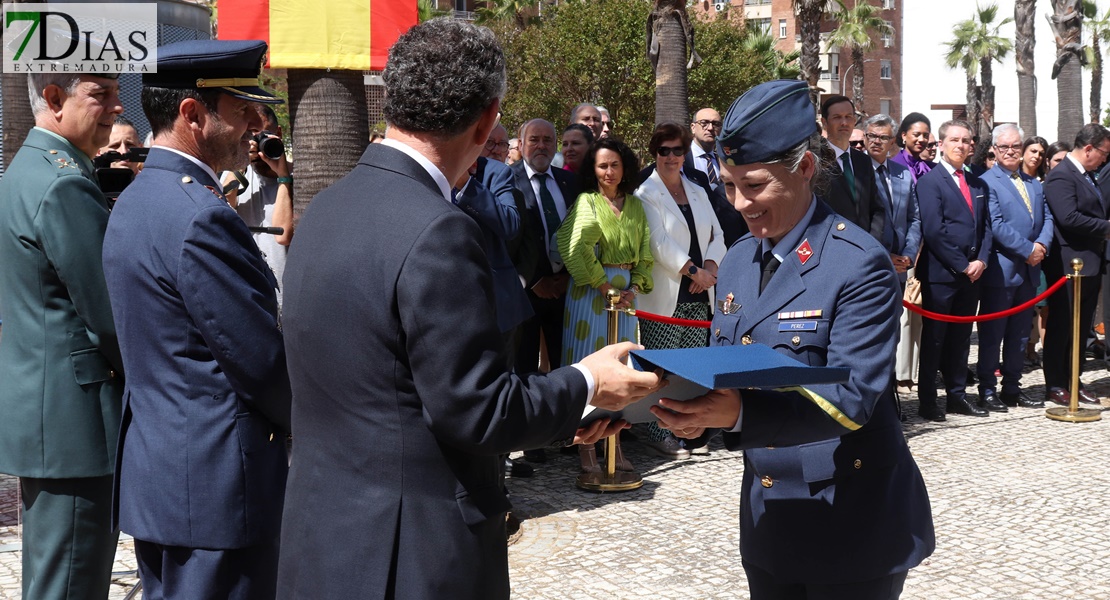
[[1018, 502]]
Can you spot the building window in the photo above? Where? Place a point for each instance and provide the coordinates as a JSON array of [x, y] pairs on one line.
[[888, 4], [888, 38], [884, 106], [782, 28], [761, 25], [884, 69]]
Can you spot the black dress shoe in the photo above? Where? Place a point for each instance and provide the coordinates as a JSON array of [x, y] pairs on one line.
[[1087, 397], [1020, 399], [929, 412], [989, 400], [518, 469], [1058, 396], [963, 406], [538, 455]]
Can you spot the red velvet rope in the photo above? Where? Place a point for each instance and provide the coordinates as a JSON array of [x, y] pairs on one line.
[[917, 309], [998, 315]]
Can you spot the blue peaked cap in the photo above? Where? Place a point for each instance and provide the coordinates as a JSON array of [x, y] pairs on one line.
[[229, 66], [766, 121]]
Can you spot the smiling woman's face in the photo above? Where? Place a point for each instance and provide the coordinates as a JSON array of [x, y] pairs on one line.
[[770, 197]]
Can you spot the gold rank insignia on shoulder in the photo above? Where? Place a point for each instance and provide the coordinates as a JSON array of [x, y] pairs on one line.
[[65, 162], [800, 314], [726, 306]]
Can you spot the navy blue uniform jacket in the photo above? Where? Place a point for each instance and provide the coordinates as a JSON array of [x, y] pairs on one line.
[[202, 459], [830, 491], [402, 402]]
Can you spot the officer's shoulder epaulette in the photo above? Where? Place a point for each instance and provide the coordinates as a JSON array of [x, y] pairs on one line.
[[198, 190], [847, 231], [63, 162]]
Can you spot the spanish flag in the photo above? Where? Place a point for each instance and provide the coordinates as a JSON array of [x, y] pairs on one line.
[[315, 34]]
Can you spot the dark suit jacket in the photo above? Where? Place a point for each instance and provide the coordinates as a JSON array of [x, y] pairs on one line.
[[951, 235], [732, 222], [1079, 213], [822, 463], [401, 407], [531, 258], [202, 446], [492, 201], [865, 208], [61, 377]]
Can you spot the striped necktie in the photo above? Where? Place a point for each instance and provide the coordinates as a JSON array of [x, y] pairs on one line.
[[1020, 185]]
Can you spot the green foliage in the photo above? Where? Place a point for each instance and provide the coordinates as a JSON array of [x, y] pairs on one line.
[[777, 64], [427, 10], [596, 52], [977, 39], [857, 24]]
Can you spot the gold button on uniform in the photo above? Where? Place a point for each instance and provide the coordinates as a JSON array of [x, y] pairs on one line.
[[111, 374], [186, 179], [53, 151], [766, 481], [858, 464], [840, 226], [796, 340], [746, 340], [718, 332]]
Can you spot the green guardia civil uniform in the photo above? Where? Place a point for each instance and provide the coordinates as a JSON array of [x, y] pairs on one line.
[[61, 376]]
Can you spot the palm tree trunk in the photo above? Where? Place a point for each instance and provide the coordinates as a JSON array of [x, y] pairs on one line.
[[1096, 81], [670, 72], [809, 14], [1024, 42], [330, 129], [972, 103], [857, 80], [986, 111], [1069, 89], [18, 119]]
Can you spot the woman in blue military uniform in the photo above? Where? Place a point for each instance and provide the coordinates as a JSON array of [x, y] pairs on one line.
[[833, 505]]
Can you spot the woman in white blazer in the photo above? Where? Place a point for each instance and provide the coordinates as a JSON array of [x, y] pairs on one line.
[[687, 243]]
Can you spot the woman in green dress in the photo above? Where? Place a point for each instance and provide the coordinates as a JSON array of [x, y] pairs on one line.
[[605, 243]]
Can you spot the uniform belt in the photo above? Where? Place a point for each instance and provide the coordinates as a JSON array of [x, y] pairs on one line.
[[626, 266]]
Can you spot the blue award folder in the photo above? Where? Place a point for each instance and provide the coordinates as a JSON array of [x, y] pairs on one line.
[[691, 372]]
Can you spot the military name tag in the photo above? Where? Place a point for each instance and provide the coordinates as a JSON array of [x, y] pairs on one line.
[[798, 326]]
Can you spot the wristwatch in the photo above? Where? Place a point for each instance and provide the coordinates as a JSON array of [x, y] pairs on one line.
[[691, 270]]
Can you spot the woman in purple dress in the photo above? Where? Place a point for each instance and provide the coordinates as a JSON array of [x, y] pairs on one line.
[[913, 137]]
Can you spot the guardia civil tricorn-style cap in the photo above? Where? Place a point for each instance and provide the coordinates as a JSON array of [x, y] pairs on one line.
[[229, 66], [766, 121]]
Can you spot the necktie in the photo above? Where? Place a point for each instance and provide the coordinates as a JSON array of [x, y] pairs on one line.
[[770, 265], [455, 195], [547, 203], [888, 204], [1020, 185], [846, 166], [711, 168], [966, 191]]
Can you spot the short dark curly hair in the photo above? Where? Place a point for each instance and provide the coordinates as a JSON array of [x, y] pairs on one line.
[[667, 131], [629, 163], [441, 75]]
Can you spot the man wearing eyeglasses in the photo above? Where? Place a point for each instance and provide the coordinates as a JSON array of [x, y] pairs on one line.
[[902, 229], [856, 140], [1022, 228], [1080, 213], [852, 193], [702, 165]]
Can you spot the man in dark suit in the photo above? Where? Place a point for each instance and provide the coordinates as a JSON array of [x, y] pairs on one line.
[[902, 231], [402, 407], [852, 191], [702, 165], [956, 244], [1079, 213], [60, 366], [202, 463], [548, 193], [1021, 226]]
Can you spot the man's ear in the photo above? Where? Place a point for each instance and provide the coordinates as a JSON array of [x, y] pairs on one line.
[[54, 96], [192, 111], [486, 122]]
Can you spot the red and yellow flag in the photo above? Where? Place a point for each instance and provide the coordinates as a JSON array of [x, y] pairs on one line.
[[310, 34]]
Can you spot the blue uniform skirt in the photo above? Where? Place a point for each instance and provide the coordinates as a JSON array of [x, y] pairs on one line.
[[586, 322]]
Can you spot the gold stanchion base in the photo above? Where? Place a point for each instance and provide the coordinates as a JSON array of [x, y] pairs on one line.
[[621, 481], [1082, 415]]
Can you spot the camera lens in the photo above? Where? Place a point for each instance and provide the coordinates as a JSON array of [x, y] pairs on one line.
[[271, 148]]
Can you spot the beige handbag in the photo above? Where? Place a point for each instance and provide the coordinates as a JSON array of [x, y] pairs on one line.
[[913, 291]]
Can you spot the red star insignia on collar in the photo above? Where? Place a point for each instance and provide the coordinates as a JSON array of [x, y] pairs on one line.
[[804, 251]]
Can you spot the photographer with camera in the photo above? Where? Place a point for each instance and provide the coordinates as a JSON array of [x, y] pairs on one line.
[[123, 140], [264, 197]]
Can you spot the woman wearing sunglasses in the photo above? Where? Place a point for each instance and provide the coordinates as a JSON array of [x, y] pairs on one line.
[[687, 243]]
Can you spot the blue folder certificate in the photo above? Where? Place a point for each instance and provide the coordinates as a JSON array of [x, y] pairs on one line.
[[691, 372]]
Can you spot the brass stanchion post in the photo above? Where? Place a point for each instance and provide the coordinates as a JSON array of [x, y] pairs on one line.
[[611, 480], [1074, 414]]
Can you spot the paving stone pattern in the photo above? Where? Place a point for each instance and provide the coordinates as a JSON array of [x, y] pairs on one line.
[[1019, 503]]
